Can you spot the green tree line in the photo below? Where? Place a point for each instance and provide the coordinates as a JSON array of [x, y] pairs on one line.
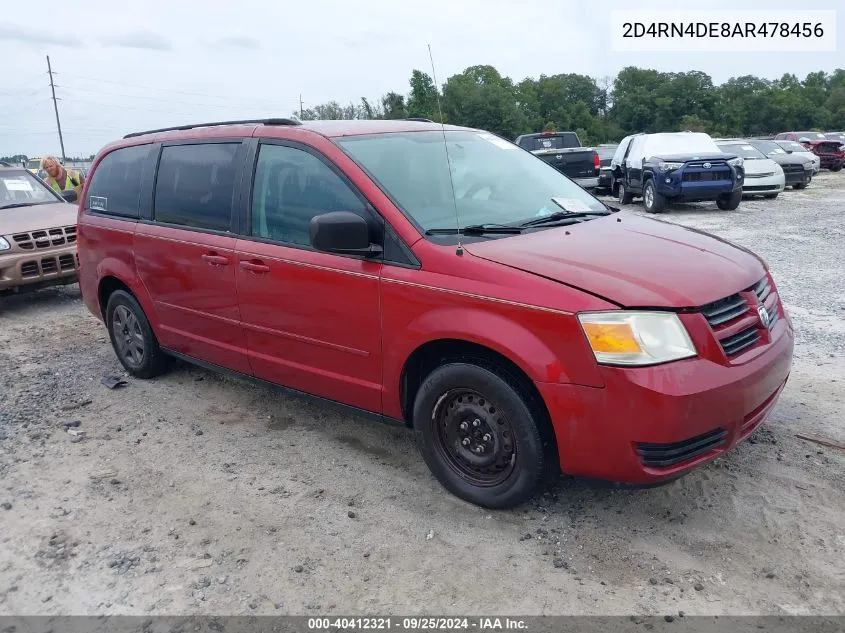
[[608, 108]]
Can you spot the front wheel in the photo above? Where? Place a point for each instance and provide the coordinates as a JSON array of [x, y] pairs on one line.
[[836, 167], [729, 202], [800, 185], [770, 196], [480, 436], [652, 200]]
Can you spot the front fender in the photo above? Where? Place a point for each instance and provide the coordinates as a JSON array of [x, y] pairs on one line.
[[547, 346]]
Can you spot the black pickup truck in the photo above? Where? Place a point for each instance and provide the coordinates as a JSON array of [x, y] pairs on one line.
[[563, 151]]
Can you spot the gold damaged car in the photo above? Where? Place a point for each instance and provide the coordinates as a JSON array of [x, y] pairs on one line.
[[37, 233]]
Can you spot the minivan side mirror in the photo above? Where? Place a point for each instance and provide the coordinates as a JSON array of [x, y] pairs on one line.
[[342, 232], [69, 195]]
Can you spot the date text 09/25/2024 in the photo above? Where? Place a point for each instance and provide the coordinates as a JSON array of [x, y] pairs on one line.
[[417, 624]]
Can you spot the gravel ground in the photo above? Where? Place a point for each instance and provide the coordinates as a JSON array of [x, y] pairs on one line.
[[194, 494]]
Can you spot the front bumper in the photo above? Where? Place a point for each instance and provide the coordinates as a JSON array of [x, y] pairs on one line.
[[696, 407], [765, 185], [47, 267], [798, 177]]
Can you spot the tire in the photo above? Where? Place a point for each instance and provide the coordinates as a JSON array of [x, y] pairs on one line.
[[800, 185], [836, 167], [138, 351], [652, 200], [729, 202], [770, 196], [623, 195], [462, 408]]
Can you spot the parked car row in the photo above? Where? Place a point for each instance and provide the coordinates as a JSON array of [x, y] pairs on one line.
[[828, 146]]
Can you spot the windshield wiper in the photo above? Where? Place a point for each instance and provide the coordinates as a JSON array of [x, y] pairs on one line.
[[477, 229], [562, 217], [19, 204]]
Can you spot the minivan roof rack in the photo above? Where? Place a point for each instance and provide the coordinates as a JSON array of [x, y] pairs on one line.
[[217, 123]]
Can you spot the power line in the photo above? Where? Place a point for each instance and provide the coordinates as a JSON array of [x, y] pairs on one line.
[[181, 92], [190, 103]]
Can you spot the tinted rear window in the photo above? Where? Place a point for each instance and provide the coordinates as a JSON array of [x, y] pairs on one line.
[[195, 185], [554, 142], [115, 187]]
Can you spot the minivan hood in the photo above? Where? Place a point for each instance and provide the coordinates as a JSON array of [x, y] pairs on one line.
[[39, 216], [631, 261]]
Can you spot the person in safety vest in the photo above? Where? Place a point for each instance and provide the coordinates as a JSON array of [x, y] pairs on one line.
[[60, 178]]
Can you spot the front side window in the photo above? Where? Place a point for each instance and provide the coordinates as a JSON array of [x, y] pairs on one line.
[[195, 186], [494, 182], [291, 187], [115, 187]]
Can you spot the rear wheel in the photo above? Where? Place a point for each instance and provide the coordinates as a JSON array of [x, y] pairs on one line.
[[800, 185], [132, 337], [652, 200], [836, 167], [480, 435], [770, 196], [729, 202]]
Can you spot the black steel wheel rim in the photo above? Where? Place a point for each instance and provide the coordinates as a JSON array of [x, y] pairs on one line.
[[128, 337], [474, 437]]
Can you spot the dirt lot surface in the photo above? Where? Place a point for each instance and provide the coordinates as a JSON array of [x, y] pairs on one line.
[[194, 494]]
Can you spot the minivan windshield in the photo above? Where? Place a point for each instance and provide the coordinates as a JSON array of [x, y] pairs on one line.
[[495, 181]]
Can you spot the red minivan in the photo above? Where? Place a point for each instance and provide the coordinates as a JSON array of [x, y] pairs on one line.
[[441, 278]]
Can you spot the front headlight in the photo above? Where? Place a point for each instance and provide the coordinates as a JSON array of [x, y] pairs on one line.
[[736, 162], [664, 166], [636, 338], [808, 166], [4, 244]]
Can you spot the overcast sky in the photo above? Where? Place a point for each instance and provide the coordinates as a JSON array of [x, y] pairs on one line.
[[124, 66]]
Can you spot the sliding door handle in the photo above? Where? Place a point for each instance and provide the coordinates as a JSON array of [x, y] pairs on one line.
[[255, 267]]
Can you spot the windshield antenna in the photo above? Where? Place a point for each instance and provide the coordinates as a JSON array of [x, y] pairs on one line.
[[460, 249]]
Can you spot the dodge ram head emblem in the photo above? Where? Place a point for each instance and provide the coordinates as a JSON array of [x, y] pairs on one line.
[[706, 165], [764, 315]]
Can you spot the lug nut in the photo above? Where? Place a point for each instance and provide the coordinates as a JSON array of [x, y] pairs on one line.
[[479, 449], [487, 437], [476, 422], [464, 425], [465, 441]]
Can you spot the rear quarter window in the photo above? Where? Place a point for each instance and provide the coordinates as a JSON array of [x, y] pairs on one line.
[[195, 185], [115, 187]]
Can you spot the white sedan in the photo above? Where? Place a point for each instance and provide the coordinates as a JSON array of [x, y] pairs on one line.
[[793, 147], [763, 176]]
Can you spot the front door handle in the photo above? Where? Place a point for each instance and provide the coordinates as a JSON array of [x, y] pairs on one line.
[[255, 267], [215, 260]]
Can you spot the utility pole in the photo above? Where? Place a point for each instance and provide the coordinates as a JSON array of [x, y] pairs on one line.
[[56, 108], [300, 106]]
